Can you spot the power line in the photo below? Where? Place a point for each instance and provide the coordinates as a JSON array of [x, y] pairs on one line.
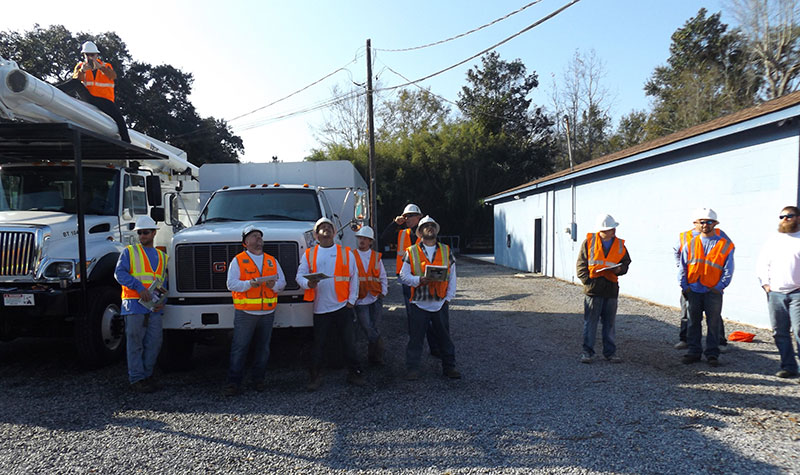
[[527, 28], [462, 34]]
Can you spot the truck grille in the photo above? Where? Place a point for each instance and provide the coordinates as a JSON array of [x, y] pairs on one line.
[[18, 253], [198, 265]]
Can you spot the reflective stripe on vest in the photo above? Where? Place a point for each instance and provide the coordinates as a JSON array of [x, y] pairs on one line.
[[341, 273], [598, 260], [403, 243], [706, 268], [369, 280], [418, 262], [141, 270], [98, 83], [260, 298]]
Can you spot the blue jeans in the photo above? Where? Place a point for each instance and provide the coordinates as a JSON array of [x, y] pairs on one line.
[[784, 315], [711, 304], [419, 323], [684, 331], [369, 318], [249, 328], [430, 333], [143, 339], [599, 309]]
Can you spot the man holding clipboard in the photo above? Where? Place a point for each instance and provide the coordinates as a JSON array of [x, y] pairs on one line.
[[602, 259], [254, 278], [431, 291]]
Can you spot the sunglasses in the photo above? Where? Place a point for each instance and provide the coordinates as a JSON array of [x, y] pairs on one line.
[[787, 216], [706, 221], [143, 232]]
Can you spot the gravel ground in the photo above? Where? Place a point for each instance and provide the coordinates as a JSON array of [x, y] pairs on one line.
[[525, 404]]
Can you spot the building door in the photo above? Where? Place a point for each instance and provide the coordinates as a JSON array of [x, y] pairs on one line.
[[537, 245]]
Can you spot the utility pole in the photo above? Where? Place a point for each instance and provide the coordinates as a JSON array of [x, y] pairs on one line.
[[373, 200]]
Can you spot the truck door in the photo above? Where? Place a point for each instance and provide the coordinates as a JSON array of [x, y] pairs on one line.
[[134, 205]]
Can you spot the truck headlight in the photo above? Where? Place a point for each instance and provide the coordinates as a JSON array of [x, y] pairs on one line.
[[63, 270]]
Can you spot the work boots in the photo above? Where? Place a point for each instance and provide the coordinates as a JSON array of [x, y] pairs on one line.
[[375, 352]]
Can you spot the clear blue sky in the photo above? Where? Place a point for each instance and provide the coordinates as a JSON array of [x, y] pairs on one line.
[[246, 54]]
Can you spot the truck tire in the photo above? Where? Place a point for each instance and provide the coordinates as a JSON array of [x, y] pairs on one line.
[[100, 333], [176, 350]]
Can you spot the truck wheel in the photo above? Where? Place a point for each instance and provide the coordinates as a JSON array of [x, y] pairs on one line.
[[176, 350], [100, 334]]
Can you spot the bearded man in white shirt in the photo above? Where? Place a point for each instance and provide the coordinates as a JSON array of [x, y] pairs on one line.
[[778, 271]]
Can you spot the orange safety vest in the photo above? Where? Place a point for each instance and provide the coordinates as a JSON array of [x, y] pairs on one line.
[[260, 298], [369, 280], [341, 273], [687, 236], [418, 261], [403, 243], [96, 82], [141, 270], [597, 260], [706, 268]]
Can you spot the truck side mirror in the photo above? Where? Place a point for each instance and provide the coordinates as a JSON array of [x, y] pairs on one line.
[[153, 186], [360, 205], [158, 214]]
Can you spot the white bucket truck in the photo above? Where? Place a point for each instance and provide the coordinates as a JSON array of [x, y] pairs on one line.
[[63, 170], [283, 200]]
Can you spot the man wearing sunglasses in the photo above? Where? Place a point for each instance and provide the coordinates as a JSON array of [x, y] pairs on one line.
[[778, 270], [685, 237], [706, 269], [93, 82], [139, 267]]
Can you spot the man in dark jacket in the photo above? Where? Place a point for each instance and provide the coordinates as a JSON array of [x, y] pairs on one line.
[[602, 258]]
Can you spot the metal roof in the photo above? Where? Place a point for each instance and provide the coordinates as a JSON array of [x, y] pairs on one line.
[[23, 142]]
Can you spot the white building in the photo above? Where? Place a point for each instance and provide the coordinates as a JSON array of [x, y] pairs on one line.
[[744, 166]]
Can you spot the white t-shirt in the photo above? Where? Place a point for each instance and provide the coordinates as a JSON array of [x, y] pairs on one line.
[[237, 285], [779, 262], [365, 255], [325, 300]]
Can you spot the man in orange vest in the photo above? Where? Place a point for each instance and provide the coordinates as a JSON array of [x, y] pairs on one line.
[[403, 230], [328, 273], [706, 269], [431, 291], [372, 287], [93, 82], [602, 259], [139, 267], [683, 238], [254, 278]]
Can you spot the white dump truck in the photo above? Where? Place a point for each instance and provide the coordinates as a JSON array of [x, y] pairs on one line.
[[70, 193], [283, 200]]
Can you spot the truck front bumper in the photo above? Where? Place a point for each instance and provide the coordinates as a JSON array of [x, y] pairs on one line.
[[220, 316]]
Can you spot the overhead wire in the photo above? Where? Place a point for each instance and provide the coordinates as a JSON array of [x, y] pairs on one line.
[[462, 34]]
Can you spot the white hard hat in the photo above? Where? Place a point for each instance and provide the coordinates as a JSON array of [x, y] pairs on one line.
[[323, 220], [424, 221], [250, 229], [145, 222], [606, 222], [366, 232], [704, 213], [90, 47], [411, 209]]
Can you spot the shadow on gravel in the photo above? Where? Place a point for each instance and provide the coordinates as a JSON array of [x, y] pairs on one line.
[[525, 403]]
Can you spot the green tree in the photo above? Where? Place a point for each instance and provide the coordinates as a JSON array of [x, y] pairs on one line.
[[153, 99], [630, 131], [411, 112], [707, 75]]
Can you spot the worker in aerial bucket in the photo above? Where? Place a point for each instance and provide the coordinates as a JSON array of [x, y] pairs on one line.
[[93, 82]]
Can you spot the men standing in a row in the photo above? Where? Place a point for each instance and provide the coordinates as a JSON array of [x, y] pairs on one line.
[[706, 269], [685, 237], [254, 278], [334, 297], [372, 287], [778, 271], [404, 230], [139, 266], [429, 298], [602, 259]]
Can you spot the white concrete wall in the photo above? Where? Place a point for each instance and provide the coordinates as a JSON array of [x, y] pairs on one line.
[[746, 183]]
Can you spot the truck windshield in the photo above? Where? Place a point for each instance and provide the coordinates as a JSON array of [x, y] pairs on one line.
[[53, 189], [262, 204]]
